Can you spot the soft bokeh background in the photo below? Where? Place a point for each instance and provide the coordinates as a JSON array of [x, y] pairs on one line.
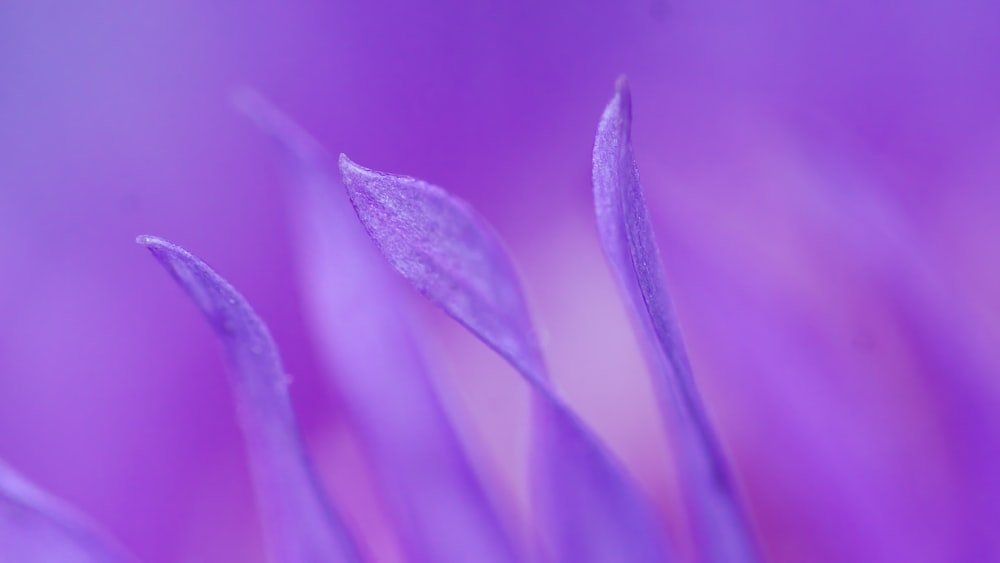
[[823, 178]]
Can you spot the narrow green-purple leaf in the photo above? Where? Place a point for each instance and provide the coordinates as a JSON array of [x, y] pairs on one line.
[[299, 524], [589, 509], [435, 495], [723, 533], [35, 527]]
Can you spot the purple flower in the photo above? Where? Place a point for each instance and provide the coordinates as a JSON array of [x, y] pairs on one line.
[[588, 507], [821, 182]]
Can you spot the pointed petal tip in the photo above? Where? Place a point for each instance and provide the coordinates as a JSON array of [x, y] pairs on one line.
[[621, 85], [622, 102], [349, 166], [196, 277], [354, 174], [161, 249], [277, 126], [150, 241]]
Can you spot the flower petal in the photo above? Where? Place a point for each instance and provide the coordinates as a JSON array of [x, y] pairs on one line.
[[588, 506], [36, 527], [438, 499], [448, 253], [723, 532], [298, 522]]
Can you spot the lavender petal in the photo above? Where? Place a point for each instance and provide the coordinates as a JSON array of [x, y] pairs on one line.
[[299, 524], [449, 254], [36, 527], [442, 507], [588, 506], [723, 532]]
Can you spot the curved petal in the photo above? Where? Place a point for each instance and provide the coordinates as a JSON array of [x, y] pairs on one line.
[[448, 253], [723, 532], [36, 527], [589, 507], [299, 523], [435, 495]]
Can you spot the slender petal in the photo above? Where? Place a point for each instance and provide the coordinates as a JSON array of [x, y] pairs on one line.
[[299, 524], [34, 527], [587, 504], [723, 533], [438, 499], [442, 247]]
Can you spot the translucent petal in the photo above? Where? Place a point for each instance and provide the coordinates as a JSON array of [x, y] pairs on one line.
[[589, 508]]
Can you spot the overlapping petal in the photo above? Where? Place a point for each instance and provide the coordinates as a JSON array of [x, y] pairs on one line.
[[589, 508], [300, 525], [437, 499]]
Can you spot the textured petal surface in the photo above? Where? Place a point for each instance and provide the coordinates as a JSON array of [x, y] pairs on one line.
[[723, 534], [588, 507], [298, 522], [35, 527], [438, 500], [446, 251]]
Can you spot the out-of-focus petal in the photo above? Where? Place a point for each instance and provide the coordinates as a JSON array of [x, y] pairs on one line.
[[950, 355], [34, 527], [298, 522], [722, 530], [437, 500], [589, 508]]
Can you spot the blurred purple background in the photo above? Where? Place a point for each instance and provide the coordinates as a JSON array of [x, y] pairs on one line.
[[823, 178]]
